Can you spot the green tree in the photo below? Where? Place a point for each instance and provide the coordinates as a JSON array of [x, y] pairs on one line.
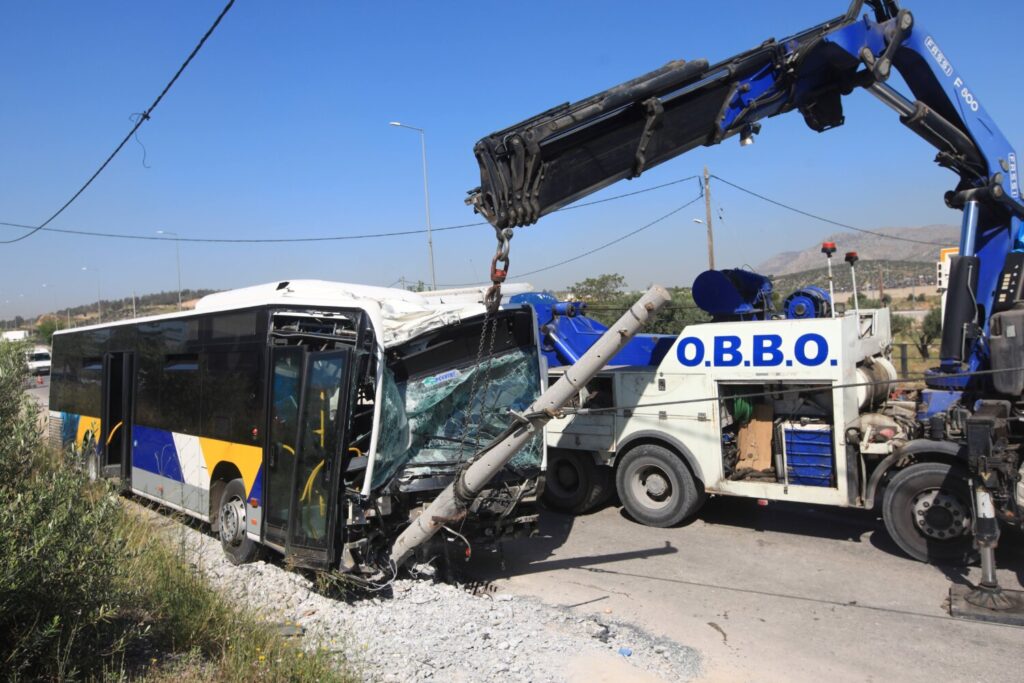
[[901, 324], [928, 331], [600, 289], [45, 329]]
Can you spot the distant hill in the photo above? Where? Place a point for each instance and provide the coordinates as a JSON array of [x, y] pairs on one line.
[[869, 248], [892, 274]]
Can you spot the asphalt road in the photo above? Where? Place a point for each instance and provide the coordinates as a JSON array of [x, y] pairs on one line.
[[40, 392], [778, 593]]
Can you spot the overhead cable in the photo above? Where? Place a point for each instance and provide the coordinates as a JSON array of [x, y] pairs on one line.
[[590, 251], [816, 217], [616, 240], [328, 238], [142, 118]]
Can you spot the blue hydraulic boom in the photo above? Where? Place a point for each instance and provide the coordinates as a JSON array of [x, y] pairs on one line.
[[570, 151], [548, 161]]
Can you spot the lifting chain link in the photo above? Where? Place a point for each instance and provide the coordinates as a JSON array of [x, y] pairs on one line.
[[499, 269]]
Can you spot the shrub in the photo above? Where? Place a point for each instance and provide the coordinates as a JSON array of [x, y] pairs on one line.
[[88, 591]]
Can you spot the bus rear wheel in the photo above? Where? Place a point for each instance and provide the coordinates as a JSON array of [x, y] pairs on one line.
[[656, 487], [927, 512], [232, 524]]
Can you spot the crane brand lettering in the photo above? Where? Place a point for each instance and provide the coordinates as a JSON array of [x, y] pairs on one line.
[[1014, 181], [940, 58], [759, 351]]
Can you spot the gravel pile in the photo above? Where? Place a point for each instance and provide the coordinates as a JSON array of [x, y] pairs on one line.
[[421, 630]]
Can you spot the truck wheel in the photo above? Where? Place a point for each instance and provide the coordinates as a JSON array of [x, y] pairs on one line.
[[927, 512], [232, 524], [573, 483], [656, 487]]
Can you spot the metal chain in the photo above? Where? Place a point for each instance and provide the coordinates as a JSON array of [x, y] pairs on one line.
[[492, 299]]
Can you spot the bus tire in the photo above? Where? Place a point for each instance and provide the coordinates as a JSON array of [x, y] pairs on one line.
[[656, 487], [927, 512], [232, 524], [573, 483]]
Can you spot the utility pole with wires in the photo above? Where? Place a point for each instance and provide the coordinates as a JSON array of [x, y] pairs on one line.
[[707, 209]]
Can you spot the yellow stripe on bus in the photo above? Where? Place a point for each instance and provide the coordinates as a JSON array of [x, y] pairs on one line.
[[246, 458], [86, 425]]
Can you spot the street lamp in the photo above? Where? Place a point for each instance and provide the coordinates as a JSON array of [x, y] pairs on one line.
[[99, 306], [55, 316], [426, 195], [177, 259]]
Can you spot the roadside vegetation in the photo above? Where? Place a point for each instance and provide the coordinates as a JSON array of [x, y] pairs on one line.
[[89, 591]]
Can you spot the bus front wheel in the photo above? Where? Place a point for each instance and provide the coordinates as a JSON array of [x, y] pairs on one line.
[[232, 523]]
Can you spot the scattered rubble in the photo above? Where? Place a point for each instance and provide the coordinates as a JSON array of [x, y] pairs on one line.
[[421, 630]]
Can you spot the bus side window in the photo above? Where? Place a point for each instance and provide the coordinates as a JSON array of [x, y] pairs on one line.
[[231, 398], [179, 390]]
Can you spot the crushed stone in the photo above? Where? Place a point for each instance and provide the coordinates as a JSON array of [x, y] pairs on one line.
[[425, 630]]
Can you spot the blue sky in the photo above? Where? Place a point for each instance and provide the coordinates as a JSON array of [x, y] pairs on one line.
[[280, 128]]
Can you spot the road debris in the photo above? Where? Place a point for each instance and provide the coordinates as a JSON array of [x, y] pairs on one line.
[[420, 630]]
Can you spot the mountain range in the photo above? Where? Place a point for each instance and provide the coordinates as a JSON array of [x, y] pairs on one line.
[[913, 244]]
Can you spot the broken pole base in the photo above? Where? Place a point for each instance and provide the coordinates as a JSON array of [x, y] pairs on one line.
[[964, 604]]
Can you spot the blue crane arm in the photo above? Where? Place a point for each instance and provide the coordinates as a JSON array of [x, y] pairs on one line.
[[553, 159]]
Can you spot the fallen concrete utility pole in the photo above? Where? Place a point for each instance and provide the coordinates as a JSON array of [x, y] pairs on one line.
[[460, 493]]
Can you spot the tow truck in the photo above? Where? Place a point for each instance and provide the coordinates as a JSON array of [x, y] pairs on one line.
[[795, 405]]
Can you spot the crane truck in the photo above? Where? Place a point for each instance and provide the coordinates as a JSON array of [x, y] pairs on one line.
[[794, 405]]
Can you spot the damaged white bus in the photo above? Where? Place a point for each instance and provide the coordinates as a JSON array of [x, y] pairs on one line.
[[310, 417]]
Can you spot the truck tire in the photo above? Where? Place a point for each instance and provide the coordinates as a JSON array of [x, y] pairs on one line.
[[927, 512], [232, 524], [574, 483], [656, 487]]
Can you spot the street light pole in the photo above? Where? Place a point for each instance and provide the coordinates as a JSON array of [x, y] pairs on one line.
[[177, 259], [56, 316], [426, 196], [99, 305]]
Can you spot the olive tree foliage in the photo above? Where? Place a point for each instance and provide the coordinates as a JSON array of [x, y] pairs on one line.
[[46, 328], [928, 331], [901, 324], [58, 550], [20, 433], [607, 298]]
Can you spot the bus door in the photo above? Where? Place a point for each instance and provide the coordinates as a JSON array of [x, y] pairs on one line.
[[307, 433], [116, 418]]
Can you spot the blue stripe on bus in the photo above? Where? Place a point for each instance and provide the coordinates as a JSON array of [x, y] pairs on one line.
[[257, 486], [153, 451]]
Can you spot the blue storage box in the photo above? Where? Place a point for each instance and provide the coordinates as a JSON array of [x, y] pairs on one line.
[[808, 450]]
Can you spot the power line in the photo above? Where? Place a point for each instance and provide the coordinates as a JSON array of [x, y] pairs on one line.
[[138, 124], [827, 220], [329, 238], [617, 239], [628, 194], [590, 251], [269, 240]]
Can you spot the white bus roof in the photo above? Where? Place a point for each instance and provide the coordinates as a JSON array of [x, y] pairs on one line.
[[402, 314]]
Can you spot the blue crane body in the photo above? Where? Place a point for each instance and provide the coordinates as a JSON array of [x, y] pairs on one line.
[[968, 415]]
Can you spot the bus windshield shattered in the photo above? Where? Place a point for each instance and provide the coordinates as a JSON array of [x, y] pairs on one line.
[[313, 418]]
